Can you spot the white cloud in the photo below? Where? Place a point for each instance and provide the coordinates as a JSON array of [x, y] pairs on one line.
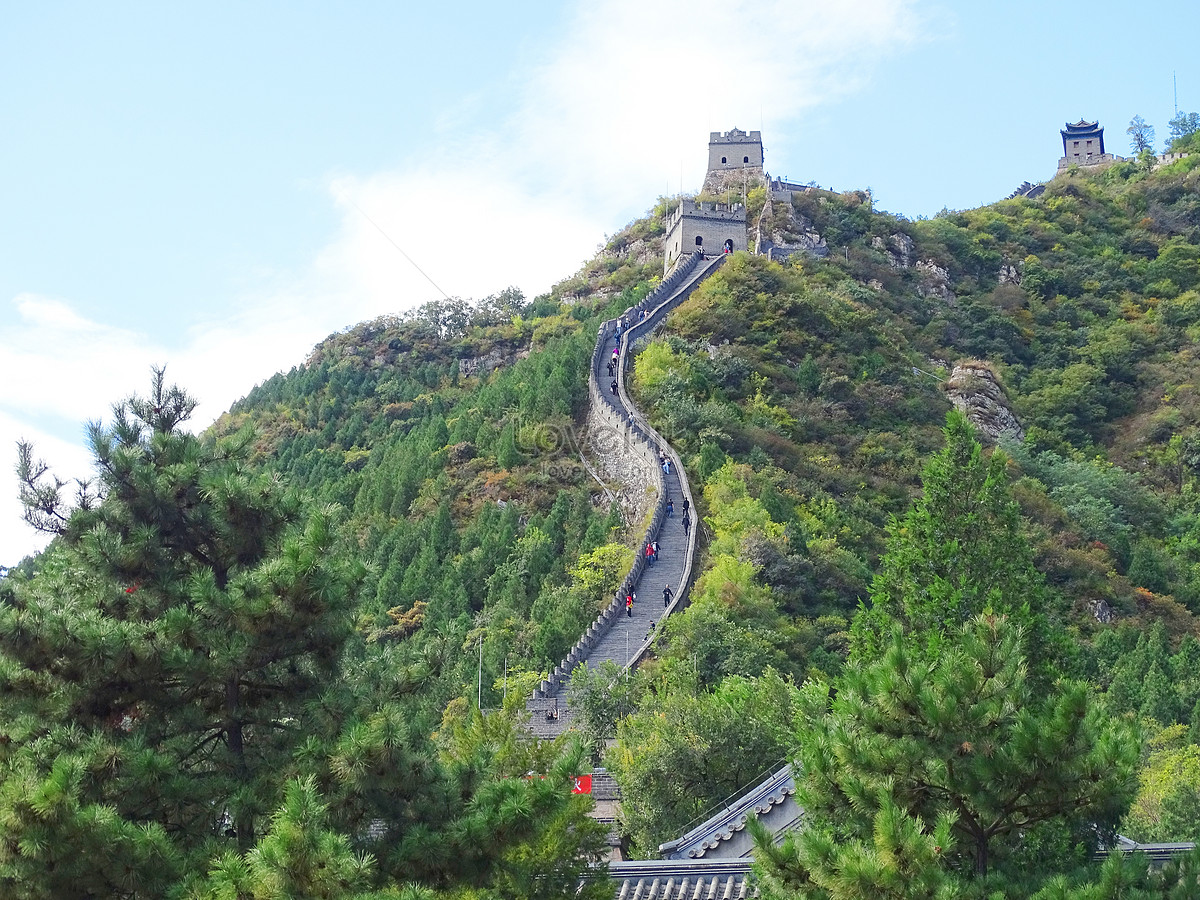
[[601, 126], [598, 126], [55, 364], [637, 86]]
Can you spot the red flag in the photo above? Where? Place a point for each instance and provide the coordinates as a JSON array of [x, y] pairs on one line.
[[583, 784]]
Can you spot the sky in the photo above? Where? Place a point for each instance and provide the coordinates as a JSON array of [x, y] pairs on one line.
[[217, 187]]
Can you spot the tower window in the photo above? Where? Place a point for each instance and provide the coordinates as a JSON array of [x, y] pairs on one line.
[[723, 160], [745, 159]]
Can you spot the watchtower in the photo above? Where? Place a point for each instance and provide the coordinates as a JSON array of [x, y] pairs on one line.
[[711, 228], [734, 149], [1083, 145]]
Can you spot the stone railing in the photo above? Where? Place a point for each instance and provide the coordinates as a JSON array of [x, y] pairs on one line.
[[642, 441]]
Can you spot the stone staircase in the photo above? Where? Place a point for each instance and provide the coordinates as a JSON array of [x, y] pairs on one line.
[[614, 635]]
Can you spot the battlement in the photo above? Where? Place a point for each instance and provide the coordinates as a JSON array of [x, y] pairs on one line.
[[734, 149], [734, 136], [709, 228], [692, 209], [782, 189]]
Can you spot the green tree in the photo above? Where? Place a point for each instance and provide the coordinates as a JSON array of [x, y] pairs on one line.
[[522, 835], [1165, 808], [299, 857], [680, 754], [1141, 135], [155, 677], [601, 696], [914, 749], [959, 551], [1183, 125]]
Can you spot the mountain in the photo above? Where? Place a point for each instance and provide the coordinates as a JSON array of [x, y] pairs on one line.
[[804, 396]]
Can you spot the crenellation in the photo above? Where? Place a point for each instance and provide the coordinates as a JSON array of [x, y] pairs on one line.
[[735, 150], [710, 228]]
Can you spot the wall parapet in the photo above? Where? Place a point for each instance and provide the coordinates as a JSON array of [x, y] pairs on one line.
[[647, 443]]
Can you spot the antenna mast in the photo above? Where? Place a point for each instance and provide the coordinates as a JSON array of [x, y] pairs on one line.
[[1175, 91]]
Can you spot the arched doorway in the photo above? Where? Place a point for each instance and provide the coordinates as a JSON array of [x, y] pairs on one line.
[[729, 245], [700, 243]]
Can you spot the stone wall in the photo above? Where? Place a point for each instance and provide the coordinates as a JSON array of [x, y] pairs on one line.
[[734, 149], [712, 223], [642, 444], [1086, 159]]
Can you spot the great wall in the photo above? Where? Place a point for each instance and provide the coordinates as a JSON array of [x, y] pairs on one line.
[[712, 860]]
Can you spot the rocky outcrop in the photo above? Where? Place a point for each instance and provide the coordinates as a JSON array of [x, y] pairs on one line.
[[899, 248], [719, 181], [974, 388], [1009, 273], [639, 251], [782, 232], [934, 281], [1101, 611], [489, 362]]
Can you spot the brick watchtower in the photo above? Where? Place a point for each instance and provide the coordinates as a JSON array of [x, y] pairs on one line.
[[1083, 145], [735, 149], [711, 228]]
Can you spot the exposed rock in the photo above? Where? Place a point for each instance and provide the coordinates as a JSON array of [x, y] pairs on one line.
[[719, 181], [783, 232], [463, 452], [489, 362], [934, 281], [875, 284], [974, 389], [1009, 273], [640, 252], [898, 247], [1102, 611]]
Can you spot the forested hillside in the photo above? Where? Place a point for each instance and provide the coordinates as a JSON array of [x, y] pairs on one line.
[[406, 516]]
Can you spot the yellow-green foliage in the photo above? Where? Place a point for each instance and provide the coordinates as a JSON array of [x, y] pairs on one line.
[[657, 364], [1173, 764], [735, 514], [601, 570], [729, 582]]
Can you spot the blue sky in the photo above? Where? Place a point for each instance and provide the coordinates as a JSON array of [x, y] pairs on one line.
[[179, 184]]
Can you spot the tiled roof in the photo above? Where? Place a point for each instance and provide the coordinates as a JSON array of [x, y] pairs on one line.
[[692, 879], [775, 790]]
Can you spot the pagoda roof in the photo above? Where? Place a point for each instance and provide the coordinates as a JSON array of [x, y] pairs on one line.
[[1082, 127]]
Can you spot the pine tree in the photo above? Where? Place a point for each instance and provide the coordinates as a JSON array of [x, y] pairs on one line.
[[154, 678], [958, 552], [918, 748]]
